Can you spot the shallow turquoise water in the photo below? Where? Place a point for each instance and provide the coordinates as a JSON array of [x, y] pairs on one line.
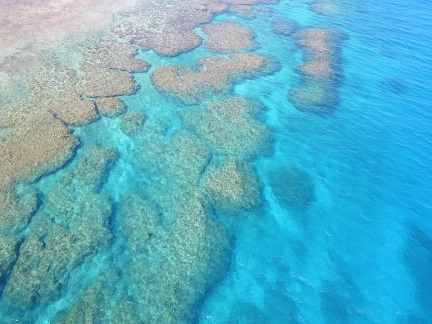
[[362, 251]]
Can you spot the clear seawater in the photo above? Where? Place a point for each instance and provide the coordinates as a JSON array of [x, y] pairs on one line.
[[362, 252]]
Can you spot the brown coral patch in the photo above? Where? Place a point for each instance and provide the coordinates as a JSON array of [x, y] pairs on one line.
[[72, 110], [228, 36], [317, 69], [213, 75], [101, 82], [110, 106], [114, 55]]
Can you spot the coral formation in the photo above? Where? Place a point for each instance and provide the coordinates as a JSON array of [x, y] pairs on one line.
[[232, 186], [293, 187], [229, 126], [228, 37], [177, 265], [325, 7], [101, 82], [132, 123], [110, 106], [8, 247], [114, 55], [73, 224], [178, 160], [313, 97], [213, 75], [284, 26], [317, 91], [74, 111]]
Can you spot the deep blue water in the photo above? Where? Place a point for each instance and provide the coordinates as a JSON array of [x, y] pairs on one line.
[[361, 252]]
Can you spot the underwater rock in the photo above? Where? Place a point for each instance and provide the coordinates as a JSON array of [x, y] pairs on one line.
[[132, 123], [284, 26], [180, 263], [245, 11], [114, 55], [213, 75], [110, 106], [228, 37], [229, 126], [232, 186], [101, 82], [293, 187]]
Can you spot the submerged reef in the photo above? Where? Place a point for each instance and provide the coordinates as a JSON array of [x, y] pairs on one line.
[[172, 268], [293, 187], [110, 106], [232, 186], [101, 82], [114, 55], [284, 26], [104, 301], [213, 75], [228, 37], [132, 123], [73, 224], [326, 7], [177, 161], [230, 127], [317, 90]]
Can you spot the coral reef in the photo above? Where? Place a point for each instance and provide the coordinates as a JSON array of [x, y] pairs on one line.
[[72, 110], [213, 75], [73, 225], [29, 149], [314, 97], [228, 37], [232, 186], [284, 26], [317, 90], [178, 160], [325, 7], [114, 55], [178, 264], [110, 106], [293, 187], [132, 123], [229, 126], [8, 247], [101, 82]]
